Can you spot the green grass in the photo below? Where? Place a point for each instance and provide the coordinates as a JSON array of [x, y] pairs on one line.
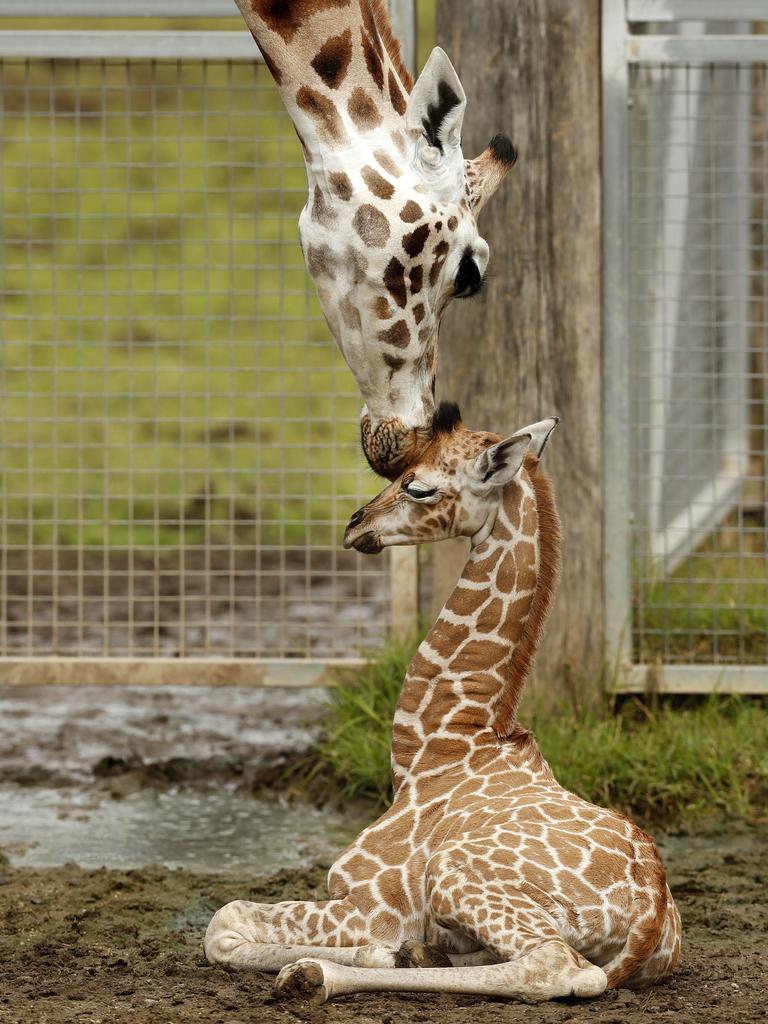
[[660, 763]]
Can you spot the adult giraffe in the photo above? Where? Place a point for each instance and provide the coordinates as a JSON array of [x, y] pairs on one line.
[[389, 232], [482, 852]]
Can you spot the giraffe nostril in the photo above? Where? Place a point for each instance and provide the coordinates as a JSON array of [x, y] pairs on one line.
[[356, 518]]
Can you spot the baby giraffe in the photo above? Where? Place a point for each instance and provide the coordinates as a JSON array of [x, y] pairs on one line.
[[517, 887]]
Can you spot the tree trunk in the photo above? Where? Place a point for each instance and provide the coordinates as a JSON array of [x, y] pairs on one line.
[[530, 346]]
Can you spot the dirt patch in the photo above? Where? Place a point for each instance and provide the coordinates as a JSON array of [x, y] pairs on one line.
[[113, 946]]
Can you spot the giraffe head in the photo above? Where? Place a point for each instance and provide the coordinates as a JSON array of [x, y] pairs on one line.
[[389, 231], [454, 490]]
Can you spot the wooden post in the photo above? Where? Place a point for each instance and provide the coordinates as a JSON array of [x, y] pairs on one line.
[[530, 346]]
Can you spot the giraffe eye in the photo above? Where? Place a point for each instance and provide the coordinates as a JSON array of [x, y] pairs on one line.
[[418, 492]]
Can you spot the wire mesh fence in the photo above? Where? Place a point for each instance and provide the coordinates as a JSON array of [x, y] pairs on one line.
[[698, 337], [179, 435]]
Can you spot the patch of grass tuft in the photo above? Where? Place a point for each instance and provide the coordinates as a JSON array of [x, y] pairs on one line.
[[659, 763]]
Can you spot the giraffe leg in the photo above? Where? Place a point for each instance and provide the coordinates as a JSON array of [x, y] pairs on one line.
[[664, 958], [536, 964], [267, 937]]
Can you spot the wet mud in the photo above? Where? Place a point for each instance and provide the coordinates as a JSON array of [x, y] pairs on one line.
[[105, 945]]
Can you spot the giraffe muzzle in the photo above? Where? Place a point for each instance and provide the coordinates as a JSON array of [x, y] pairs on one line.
[[366, 543]]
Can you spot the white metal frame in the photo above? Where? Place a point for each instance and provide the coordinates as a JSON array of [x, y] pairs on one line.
[[621, 48], [183, 45]]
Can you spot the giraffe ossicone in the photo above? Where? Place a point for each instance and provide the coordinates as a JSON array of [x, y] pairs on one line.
[[389, 231], [528, 891]]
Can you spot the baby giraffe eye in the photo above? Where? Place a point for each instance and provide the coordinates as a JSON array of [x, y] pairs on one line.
[[418, 492]]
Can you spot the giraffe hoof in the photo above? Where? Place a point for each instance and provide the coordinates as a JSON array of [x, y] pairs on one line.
[[589, 982], [375, 956], [419, 954], [302, 982]]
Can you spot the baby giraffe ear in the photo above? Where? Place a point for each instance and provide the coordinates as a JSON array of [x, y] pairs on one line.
[[437, 102], [497, 465]]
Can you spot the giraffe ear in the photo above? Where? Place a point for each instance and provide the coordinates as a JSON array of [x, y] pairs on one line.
[[436, 104], [500, 463], [540, 434]]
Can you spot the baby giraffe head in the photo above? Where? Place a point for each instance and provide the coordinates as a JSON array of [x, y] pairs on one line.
[[454, 490]]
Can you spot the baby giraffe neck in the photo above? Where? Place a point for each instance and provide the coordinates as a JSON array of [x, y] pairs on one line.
[[464, 685]]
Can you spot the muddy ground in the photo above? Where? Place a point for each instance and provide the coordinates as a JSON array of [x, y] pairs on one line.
[[113, 946]]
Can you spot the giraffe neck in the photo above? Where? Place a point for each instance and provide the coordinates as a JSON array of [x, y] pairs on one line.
[[337, 66], [464, 685]]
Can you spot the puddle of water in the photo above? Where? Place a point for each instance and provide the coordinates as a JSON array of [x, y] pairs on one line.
[[202, 830]]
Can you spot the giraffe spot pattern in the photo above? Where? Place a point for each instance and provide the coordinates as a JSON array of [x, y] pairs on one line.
[[323, 112], [381, 308], [411, 212], [322, 212], [357, 265], [395, 94], [394, 363], [416, 278], [394, 281], [397, 335], [321, 261], [377, 184], [372, 226], [363, 110], [418, 312], [414, 242], [286, 16], [385, 161], [332, 60], [350, 314], [372, 60], [340, 185]]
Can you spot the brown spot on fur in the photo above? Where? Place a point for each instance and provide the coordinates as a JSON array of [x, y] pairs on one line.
[[394, 280], [490, 616], [385, 161], [395, 95], [418, 312], [376, 183], [464, 601], [321, 261], [439, 751], [381, 308], [357, 265], [333, 59], [286, 16], [453, 223], [322, 211], [416, 278], [445, 637], [414, 242], [371, 225], [323, 113], [399, 140], [396, 335], [372, 60], [479, 654], [411, 212], [440, 251], [340, 185], [350, 313], [394, 363], [363, 110]]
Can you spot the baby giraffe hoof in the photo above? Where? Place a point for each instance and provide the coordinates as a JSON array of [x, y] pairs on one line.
[[419, 954], [302, 982], [375, 956]]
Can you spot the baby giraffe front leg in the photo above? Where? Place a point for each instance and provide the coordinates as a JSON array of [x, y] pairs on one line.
[[537, 964], [267, 937]]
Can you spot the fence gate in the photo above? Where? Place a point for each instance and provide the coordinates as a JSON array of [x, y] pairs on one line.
[[179, 434], [685, 151]]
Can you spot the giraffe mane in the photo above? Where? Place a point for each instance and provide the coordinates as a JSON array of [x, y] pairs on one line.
[[380, 14], [505, 722]]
